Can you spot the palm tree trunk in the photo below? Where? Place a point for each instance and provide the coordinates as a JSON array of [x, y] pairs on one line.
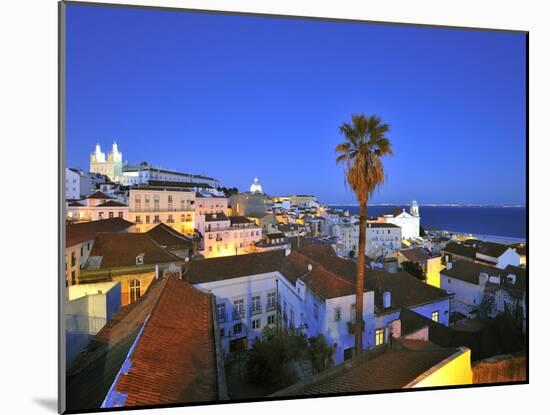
[[360, 280]]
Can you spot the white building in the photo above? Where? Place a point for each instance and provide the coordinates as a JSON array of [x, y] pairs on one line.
[[110, 166], [97, 206], [348, 238], [382, 239], [144, 173], [408, 222], [467, 281], [312, 290], [499, 255], [223, 235], [78, 183], [207, 203]]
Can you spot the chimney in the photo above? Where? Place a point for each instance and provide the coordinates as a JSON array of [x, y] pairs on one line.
[[386, 298], [157, 271]]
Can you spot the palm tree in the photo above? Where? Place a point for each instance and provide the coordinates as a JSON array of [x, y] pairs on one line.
[[361, 153]]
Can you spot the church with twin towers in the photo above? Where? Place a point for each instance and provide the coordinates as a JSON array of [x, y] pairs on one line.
[[112, 166]]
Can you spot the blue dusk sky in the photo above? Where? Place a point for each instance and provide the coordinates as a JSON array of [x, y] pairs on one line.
[[235, 97]]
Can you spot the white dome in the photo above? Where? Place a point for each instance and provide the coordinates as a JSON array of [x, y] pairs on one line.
[[256, 187]]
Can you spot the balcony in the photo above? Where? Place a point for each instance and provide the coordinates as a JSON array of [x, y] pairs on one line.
[[238, 314], [351, 326], [271, 307], [255, 309]]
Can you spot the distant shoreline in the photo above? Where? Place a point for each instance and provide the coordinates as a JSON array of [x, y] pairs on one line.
[[426, 205]]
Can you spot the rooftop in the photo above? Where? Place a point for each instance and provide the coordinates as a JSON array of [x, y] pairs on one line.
[[86, 231], [174, 359], [112, 250], [393, 369], [99, 195], [169, 238]]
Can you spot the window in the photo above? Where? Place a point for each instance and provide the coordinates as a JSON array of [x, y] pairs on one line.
[[221, 312], [256, 324], [337, 314], [111, 215], [73, 259], [222, 332], [238, 306], [138, 219], [120, 215], [157, 219], [379, 336], [237, 328], [100, 215], [271, 299], [147, 219], [271, 319], [435, 316], [256, 306], [135, 290], [81, 250]]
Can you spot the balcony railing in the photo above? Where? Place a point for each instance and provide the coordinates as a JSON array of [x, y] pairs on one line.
[[255, 309], [238, 314], [271, 307]]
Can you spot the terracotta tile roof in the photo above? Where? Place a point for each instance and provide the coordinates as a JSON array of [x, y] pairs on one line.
[[460, 249], [394, 369], [492, 249], [469, 271], [381, 225], [406, 290], [174, 358], [86, 231], [168, 237], [75, 204], [215, 217], [99, 195], [217, 269], [112, 203], [415, 254], [121, 250], [414, 344], [320, 280], [94, 371], [240, 219]]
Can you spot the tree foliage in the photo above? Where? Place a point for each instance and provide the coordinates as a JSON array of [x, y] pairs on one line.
[[365, 143], [270, 359], [320, 353]]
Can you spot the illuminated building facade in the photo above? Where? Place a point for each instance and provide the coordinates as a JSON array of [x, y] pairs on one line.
[[224, 236], [97, 206], [408, 222], [110, 166], [172, 206]]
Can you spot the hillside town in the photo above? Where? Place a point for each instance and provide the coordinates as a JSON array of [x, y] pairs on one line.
[[177, 286]]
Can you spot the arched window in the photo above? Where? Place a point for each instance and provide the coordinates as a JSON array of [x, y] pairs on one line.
[[135, 290]]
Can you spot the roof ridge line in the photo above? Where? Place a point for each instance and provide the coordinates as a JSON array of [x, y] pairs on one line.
[[323, 268]]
